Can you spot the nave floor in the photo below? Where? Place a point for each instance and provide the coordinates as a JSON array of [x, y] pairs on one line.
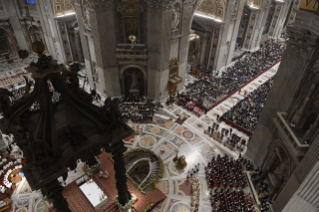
[[188, 139]]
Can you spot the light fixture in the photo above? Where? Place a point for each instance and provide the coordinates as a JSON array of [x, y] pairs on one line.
[[66, 14], [205, 16]]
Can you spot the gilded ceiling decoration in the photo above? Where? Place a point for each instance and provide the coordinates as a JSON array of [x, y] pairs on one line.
[[212, 8], [254, 3], [62, 7]]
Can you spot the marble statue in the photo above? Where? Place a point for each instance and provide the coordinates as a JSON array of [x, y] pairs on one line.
[[176, 18], [86, 17]]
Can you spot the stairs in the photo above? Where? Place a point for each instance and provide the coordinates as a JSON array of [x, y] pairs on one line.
[[155, 167]]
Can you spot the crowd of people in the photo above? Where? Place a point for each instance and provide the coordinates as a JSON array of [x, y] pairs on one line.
[[246, 113], [19, 92], [138, 109], [227, 135], [226, 172], [231, 201], [6, 81], [209, 90], [227, 179]]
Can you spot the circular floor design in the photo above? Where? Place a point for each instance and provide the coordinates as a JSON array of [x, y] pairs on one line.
[[188, 134], [147, 141], [181, 207]]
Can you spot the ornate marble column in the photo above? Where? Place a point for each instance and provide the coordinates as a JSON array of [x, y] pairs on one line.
[[65, 40], [275, 19], [251, 28], [203, 49], [79, 45], [101, 18]]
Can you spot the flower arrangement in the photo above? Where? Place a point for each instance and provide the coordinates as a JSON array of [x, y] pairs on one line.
[[135, 184], [94, 168], [148, 207], [128, 205]]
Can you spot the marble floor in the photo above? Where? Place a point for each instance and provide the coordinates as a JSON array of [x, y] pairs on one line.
[[187, 139]]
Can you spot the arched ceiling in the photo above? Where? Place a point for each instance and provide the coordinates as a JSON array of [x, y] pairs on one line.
[[254, 3], [212, 8], [62, 7]]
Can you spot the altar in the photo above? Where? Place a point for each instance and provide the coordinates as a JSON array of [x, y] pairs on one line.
[[94, 194]]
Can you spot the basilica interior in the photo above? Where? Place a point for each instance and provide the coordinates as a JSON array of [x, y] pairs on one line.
[[159, 106]]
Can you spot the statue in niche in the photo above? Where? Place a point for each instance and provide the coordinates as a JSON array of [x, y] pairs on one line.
[[176, 15], [134, 84], [86, 18]]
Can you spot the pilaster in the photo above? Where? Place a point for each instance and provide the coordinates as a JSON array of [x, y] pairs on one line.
[[301, 52], [104, 38], [251, 30], [203, 46], [14, 16], [228, 34], [188, 11], [154, 39], [79, 10], [51, 31], [237, 18]]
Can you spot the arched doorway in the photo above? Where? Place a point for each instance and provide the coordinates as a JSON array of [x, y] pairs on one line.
[[5, 47], [133, 82]]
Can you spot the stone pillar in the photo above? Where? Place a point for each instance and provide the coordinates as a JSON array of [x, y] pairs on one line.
[[203, 50], [27, 35], [262, 20], [292, 73], [102, 20], [188, 11], [259, 27], [154, 37], [79, 45], [301, 109], [12, 39], [292, 15], [228, 34], [79, 8], [251, 30], [275, 19], [13, 12], [45, 13], [64, 36], [281, 20]]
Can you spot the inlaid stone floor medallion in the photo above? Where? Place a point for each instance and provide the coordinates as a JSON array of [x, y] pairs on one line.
[[181, 207], [188, 134], [147, 141]]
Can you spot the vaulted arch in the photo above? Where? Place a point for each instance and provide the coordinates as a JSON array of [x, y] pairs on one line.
[[213, 8], [62, 8]]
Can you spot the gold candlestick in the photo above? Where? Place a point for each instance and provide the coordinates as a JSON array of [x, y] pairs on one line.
[[132, 38]]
